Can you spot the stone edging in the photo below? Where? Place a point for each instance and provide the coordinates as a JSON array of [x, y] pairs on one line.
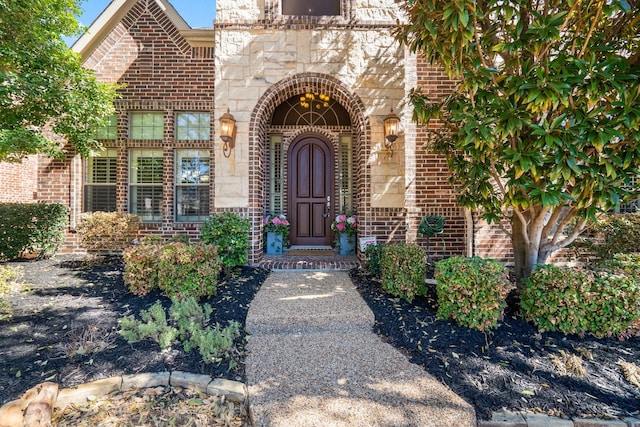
[[232, 390], [522, 419]]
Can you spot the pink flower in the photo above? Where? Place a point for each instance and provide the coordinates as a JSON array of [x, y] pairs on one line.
[[341, 218], [277, 221], [340, 227], [266, 220]]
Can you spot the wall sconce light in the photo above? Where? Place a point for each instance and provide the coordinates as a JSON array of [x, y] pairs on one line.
[[227, 132], [391, 129]]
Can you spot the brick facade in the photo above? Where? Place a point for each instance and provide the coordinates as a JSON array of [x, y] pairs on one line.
[[19, 181], [251, 62]]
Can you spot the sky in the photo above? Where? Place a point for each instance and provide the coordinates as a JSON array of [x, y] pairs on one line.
[[197, 13]]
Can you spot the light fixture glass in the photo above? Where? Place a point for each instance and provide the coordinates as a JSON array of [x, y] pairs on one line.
[[227, 132], [391, 130]]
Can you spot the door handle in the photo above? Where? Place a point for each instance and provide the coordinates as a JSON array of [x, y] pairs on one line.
[[328, 213]]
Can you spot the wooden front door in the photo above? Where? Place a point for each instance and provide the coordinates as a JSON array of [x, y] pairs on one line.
[[310, 181]]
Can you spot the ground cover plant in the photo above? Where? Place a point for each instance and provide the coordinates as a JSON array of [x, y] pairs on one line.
[[64, 326], [514, 366]]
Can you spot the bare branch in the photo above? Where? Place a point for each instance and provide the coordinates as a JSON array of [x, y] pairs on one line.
[[595, 22], [568, 240]]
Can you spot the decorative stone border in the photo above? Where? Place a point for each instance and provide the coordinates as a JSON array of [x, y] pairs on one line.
[[232, 390], [523, 419]]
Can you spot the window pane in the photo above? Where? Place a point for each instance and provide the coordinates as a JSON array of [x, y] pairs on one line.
[[192, 203], [146, 125], [146, 167], [311, 7], [109, 131], [193, 126], [146, 202], [145, 180], [192, 167], [192, 185], [100, 182], [100, 198]]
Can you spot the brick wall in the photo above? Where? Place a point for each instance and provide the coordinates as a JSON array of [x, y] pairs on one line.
[[18, 181], [159, 72]]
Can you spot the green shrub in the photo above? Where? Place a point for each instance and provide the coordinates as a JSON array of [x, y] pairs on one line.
[[230, 233], [575, 301], [403, 270], [175, 268], [141, 267], [188, 270], [373, 255], [107, 232], [31, 228], [616, 234], [154, 326], [627, 264], [472, 291], [188, 323]]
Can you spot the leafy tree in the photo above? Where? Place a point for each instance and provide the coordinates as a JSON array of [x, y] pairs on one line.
[[543, 128], [43, 83]]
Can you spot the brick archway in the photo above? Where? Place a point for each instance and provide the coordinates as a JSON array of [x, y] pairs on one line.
[[258, 150]]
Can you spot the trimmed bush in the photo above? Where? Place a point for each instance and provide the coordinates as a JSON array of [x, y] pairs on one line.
[[188, 270], [472, 291], [178, 269], [230, 233], [373, 254], [615, 234], [627, 264], [403, 270], [575, 301], [31, 228], [107, 232], [141, 267]]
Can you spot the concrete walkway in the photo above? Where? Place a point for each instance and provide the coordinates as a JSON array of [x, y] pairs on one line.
[[314, 361]]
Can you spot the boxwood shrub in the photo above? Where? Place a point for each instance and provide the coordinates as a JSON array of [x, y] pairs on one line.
[[472, 291], [403, 270], [600, 302], [230, 233], [31, 228]]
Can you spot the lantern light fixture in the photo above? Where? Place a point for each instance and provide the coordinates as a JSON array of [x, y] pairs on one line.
[[391, 130], [227, 132]]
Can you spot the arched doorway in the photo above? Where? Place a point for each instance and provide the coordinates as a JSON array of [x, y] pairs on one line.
[[311, 189]]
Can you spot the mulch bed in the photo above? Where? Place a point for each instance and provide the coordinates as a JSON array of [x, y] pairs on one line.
[[64, 323], [515, 367], [63, 326]]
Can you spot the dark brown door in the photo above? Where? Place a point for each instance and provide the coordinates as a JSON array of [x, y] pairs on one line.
[[310, 187]]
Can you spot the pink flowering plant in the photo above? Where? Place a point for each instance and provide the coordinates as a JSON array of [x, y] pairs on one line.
[[276, 224], [345, 224]]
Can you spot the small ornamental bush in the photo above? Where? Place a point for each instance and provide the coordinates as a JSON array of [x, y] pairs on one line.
[[615, 234], [403, 270], [627, 264], [176, 268], [9, 275], [188, 323], [373, 255], [141, 267], [472, 291], [575, 301], [31, 228], [230, 233], [188, 270], [108, 232]]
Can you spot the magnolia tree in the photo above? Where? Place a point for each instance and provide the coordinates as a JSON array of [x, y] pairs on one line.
[[543, 128], [43, 83]]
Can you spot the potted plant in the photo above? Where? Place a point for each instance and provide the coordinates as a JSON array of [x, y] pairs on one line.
[[276, 227], [346, 227]]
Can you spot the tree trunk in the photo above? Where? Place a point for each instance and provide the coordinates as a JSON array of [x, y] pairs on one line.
[[519, 250]]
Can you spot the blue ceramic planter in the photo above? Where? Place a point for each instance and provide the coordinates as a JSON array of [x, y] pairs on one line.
[[274, 243], [347, 244]]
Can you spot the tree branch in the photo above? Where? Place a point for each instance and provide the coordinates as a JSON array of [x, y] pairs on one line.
[[591, 29]]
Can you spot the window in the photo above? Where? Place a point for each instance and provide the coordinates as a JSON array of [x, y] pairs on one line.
[[276, 174], [345, 173], [100, 182], [145, 184], [193, 126], [311, 7], [146, 125], [109, 131], [632, 205], [192, 185]]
